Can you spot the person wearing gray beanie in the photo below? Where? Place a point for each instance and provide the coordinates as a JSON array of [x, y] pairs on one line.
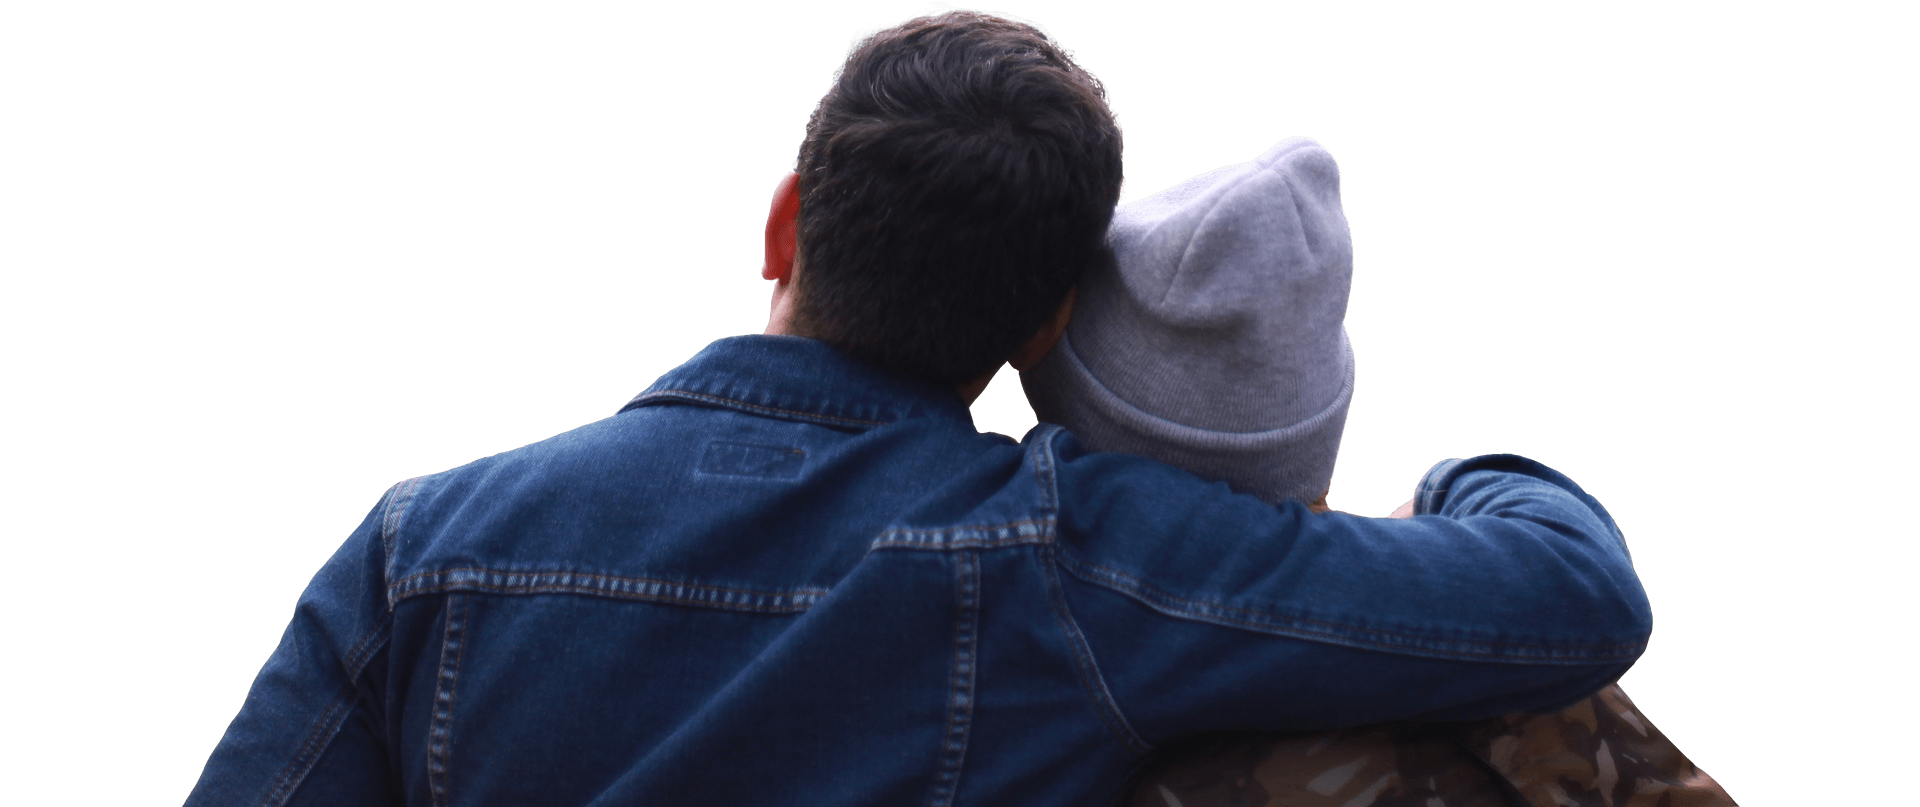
[[1215, 343]]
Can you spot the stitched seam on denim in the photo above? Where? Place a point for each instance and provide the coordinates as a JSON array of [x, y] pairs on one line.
[[440, 729], [968, 536], [670, 394], [626, 588], [1121, 581], [1087, 667], [589, 575], [324, 729], [397, 501], [362, 652], [396, 507], [1299, 627], [309, 752], [1043, 464], [966, 639]]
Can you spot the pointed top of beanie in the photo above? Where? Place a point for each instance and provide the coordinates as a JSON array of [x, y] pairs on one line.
[[1216, 342]]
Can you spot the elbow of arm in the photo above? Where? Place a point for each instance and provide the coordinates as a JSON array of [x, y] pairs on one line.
[[1608, 624]]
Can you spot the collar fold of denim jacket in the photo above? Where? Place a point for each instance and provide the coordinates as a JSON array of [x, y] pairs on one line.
[[779, 576]]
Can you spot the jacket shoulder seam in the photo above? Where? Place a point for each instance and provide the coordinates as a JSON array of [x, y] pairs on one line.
[[394, 509], [1336, 633]]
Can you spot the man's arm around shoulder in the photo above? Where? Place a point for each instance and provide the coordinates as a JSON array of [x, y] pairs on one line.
[[1511, 590]]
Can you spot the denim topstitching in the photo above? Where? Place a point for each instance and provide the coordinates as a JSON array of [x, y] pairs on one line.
[[966, 639], [308, 754], [699, 397], [969, 536], [492, 581], [324, 729], [393, 509], [1087, 667], [1298, 627], [440, 729]]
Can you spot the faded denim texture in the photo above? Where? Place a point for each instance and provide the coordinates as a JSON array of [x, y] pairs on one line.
[[781, 577]]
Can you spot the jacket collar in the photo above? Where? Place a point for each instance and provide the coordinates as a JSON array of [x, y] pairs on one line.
[[795, 378]]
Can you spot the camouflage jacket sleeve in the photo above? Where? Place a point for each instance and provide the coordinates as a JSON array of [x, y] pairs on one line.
[[1601, 752]]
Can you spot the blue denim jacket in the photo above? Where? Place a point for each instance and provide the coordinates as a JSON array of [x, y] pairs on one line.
[[781, 577]]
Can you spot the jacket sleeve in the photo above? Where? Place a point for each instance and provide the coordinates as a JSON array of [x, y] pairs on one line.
[[311, 730], [1204, 610]]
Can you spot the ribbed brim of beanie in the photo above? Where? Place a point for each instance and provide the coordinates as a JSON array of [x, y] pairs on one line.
[[1216, 344]]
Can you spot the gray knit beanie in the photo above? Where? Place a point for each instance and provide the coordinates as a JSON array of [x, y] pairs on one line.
[[1217, 345]]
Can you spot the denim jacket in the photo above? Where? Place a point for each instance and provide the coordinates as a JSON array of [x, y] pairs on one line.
[[779, 576]]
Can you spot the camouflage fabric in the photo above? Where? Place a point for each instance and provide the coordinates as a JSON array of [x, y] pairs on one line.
[[1601, 752]]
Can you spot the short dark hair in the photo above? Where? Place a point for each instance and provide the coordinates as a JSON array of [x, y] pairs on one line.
[[955, 183]]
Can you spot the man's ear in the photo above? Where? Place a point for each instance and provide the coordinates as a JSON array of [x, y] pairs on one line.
[[783, 223], [1043, 341]]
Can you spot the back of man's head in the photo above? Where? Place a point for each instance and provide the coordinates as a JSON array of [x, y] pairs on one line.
[[954, 184]]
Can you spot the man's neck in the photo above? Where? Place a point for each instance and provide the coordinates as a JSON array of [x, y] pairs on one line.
[[970, 391], [780, 323]]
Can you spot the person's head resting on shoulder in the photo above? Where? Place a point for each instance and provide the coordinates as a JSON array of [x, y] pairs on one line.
[[953, 186]]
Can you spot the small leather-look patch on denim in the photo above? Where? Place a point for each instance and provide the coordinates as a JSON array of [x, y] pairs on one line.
[[747, 459]]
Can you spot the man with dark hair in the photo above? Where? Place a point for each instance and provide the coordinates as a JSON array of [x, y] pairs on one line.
[[792, 572], [974, 151]]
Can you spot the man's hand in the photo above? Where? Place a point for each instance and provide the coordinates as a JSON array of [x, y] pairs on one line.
[[1320, 506]]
